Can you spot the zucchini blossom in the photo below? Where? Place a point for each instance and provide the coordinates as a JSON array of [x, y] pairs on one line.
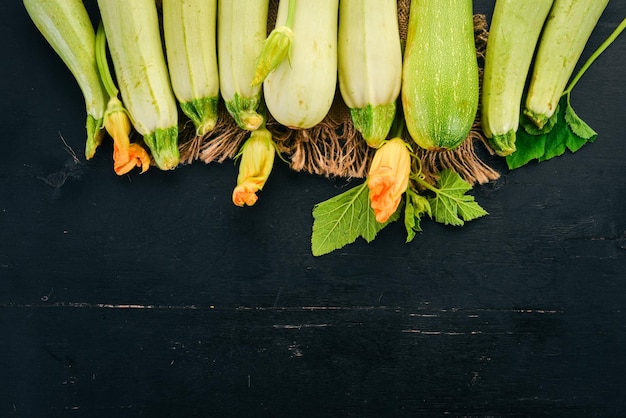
[[257, 159], [388, 177], [275, 49], [126, 156]]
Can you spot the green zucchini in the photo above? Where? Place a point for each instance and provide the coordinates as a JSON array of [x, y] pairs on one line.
[[440, 73]]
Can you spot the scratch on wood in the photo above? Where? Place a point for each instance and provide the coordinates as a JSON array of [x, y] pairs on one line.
[[537, 311], [105, 306], [319, 308], [451, 333], [435, 313], [295, 350], [287, 326]]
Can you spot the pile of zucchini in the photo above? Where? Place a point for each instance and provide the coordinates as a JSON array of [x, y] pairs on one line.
[[189, 55]]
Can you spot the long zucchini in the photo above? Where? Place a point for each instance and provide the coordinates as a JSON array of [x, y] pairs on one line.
[[241, 30], [370, 65], [132, 29], [66, 26], [189, 28], [513, 37], [562, 42]]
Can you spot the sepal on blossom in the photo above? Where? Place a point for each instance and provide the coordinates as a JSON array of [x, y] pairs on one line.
[[257, 159], [388, 177]]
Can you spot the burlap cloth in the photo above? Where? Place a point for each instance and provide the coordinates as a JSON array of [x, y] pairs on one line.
[[334, 148]]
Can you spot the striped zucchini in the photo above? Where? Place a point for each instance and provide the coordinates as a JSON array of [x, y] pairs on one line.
[[190, 43], [513, 36], [241, 30], [66, 26], [370, 65], [564, 37], [300, 91], [134, 38], [440, 73]]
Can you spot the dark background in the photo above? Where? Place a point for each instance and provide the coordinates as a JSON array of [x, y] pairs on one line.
[[152, 295]]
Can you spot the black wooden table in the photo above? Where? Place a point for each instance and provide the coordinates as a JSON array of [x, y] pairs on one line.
[[152, 295]]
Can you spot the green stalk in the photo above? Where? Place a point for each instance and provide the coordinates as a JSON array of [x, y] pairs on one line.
[[425, 184], [291, 12], [397, 128], [620, 28], [102, 63]]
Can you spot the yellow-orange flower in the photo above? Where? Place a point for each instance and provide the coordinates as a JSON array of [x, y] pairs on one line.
[[137, 157], [388, 177], [126, 156], [257, 160]]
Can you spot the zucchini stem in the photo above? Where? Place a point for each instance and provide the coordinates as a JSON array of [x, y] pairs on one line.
[[102, 63], [620, 28], [291, 13], [397, 128], [425, 184]]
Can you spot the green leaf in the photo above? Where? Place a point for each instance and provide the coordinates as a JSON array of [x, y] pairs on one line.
[[555, 141], [578, 126], [416, 206], [529, 147], [451, 205], [342, 219], [568, 133]]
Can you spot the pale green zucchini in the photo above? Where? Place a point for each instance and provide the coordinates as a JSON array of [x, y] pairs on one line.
[[241, 30], [562, 42], [440, 73], [300, 91], [189, 31], [67, 27], [134, 38], [370, 65], [513, 36]]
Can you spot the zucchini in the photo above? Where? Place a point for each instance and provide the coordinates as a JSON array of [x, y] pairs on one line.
[[189, 32], [440, 73], [513, 37], [370, 65], [134, 38], [564, 37], [66, 26], [300, 90], [241, 30]]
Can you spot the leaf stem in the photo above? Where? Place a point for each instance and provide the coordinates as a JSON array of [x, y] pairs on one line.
[[102, 63], [595, 55], [426, 184]]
